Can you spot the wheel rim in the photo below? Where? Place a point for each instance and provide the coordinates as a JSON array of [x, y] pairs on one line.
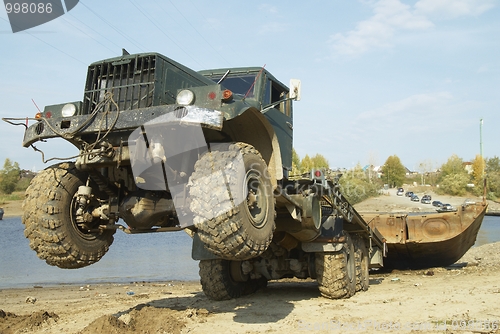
[[351, 266], [77, 228], [351, 272], [236, 272], [256, 199]]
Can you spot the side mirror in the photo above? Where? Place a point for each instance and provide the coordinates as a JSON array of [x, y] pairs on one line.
[[295, 89]]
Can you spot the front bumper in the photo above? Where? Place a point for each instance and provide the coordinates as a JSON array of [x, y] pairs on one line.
[[127, 120]]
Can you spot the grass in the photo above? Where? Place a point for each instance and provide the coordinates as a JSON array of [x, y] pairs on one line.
[[15, 196]]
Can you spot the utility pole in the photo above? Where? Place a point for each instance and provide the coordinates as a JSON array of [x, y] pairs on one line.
[[483, 177], [481, 137]]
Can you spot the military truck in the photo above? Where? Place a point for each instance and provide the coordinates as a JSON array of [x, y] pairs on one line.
[[164, 148]]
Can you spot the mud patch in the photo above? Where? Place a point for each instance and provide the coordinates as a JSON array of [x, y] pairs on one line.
[[12, 323], [146, 319]]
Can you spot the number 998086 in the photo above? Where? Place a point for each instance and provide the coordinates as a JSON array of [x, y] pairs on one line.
[[28, 8]]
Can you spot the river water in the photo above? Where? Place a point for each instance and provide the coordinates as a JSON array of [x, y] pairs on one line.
[[131, 258]]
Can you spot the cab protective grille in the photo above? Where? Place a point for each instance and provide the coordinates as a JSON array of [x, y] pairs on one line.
[[131, 81]]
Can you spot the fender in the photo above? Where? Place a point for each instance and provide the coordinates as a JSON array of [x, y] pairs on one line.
[[253, 128]]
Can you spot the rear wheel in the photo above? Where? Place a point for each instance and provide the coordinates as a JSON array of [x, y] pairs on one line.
[[223, 279], [336, 272], [232, 200], [49, 218]]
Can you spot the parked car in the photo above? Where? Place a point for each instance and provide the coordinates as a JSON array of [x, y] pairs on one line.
[[437, 204], [426, 199], [415, 198], [446, 208], [409, 194], [400, 192]]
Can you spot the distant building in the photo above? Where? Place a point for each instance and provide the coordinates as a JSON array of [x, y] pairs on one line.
[[377, 170], [468, 167], [409, 172], [27, 174]]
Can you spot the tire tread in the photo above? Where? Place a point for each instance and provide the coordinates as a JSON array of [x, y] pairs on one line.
[[45, 221]]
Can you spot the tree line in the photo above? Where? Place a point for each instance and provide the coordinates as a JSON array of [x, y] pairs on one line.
[[459, 178], [356, 184], [13, 178], [455, 177]]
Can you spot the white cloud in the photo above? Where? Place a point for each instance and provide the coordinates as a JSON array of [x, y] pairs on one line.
[[392, 16], [268, 8], [273, 27], [368, 34], [398, 15], [416, 115], [377, 31], [483, 69], [453, 8], [418, 106]]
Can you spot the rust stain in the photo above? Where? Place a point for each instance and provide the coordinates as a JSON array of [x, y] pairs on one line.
[[430, 239]]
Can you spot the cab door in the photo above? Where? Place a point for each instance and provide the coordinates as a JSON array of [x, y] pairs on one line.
[[279, 114]]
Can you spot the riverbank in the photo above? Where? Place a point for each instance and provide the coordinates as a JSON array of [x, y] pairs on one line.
[[12, 208], [462, 298]]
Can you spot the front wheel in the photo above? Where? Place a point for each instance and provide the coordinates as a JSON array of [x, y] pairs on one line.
[[49, 218], [232, 200]]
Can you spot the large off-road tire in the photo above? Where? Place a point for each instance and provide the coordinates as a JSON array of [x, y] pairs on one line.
[[49, 220], [218, 280], [233, 207], [362, 263], [336, 272]]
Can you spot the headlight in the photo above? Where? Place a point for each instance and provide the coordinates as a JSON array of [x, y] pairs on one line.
[[185, 97], [68, 110]]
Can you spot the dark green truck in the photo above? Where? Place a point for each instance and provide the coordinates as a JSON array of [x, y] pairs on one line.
[[165, 148]]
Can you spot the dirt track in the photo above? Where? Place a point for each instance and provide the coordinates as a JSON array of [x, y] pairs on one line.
[[460, 299]]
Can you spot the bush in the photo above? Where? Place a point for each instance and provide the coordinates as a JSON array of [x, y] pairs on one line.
[[357, 187], [23, 184], [493, 183], [9, 176], [454, 184]]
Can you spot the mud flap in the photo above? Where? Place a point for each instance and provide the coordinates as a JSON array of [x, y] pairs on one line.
[[377, 257], [199, 251]]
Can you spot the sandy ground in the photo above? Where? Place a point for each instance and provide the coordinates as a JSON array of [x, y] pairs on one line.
[[463, 298], [12, 208]]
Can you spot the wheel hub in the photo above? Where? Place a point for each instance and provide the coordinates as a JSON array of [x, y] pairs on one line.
[[256, 199]]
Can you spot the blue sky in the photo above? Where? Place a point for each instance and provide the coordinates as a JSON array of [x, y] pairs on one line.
[[410, 78]]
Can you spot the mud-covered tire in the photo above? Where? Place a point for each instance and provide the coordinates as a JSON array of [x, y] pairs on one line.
[[48, 220], [362, 263], [218, 283], [336, 272], [233, 209]]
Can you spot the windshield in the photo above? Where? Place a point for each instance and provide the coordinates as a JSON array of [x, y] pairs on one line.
[[238, 84]]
